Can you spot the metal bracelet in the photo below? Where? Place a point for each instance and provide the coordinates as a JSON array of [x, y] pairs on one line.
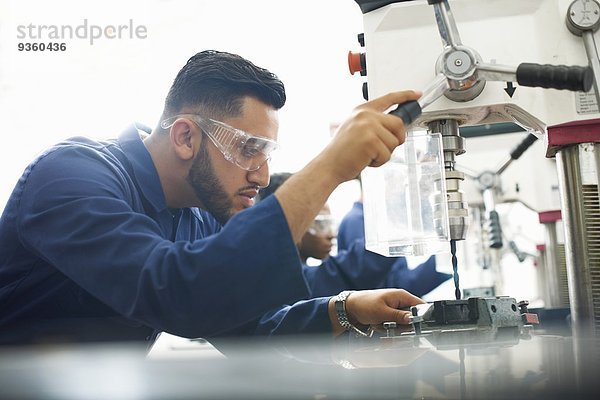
[[342, 315]]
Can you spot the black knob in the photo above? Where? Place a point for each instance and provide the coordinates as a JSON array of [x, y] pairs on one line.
[[361, 39]]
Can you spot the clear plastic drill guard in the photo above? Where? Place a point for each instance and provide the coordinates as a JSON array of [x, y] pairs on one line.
[[404, 200]]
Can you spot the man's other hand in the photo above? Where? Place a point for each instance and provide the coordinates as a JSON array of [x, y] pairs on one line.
[[374, 307]]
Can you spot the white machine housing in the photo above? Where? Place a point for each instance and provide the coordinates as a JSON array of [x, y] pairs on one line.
[[402, 46]]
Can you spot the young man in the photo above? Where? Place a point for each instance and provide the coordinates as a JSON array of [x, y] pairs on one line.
[[118, 240]]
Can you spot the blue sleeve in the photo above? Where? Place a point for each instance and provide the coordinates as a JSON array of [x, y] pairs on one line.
[[420, 280], [352, 227], [304, 317], [76, 213], [353, 269]]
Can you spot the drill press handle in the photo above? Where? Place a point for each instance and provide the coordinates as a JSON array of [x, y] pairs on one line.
[[408, 111], [573, 78]]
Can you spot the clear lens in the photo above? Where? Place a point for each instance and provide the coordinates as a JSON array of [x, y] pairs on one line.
[[246, 151], [253, 152], [323, 224]]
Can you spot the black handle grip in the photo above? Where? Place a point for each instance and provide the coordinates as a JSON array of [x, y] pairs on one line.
[[408, 111], [520, 255], [521, 147], [495, 230], [555, 76]]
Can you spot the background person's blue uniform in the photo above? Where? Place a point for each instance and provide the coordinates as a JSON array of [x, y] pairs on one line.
[[351, 269], [419, 281], [89, 251], [352, 226]]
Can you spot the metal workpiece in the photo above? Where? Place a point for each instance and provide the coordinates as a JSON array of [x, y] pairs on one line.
[[476, 322], [578, 167]]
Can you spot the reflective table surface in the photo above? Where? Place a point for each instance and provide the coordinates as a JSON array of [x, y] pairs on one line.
[[542, 367]]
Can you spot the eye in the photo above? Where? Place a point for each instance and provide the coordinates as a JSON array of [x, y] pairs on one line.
[[249, 151], [251, 147]]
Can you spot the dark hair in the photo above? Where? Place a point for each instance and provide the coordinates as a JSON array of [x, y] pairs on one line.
[[217, 81], [277, 180]]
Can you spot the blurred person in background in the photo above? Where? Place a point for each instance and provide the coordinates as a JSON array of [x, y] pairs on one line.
[[353, 267], [421, 279]]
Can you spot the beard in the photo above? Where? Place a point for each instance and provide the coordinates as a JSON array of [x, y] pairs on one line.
[[207, 187]]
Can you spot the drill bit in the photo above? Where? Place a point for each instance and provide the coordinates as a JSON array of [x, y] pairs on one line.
[[455, 269]]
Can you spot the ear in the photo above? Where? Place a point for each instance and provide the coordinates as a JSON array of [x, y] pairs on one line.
[[185, 139]]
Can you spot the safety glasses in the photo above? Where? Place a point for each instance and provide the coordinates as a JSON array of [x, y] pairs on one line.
[[323, 224], [247, 151]]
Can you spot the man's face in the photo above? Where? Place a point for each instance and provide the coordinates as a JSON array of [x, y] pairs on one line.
[[222, 187]]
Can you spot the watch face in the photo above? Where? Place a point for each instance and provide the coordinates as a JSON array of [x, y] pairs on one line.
[[584, 13]]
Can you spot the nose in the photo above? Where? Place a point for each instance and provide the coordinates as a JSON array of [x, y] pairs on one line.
[[329, 237], [261, 176]]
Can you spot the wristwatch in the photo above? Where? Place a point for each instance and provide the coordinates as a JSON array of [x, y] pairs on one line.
[[342, 316]]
